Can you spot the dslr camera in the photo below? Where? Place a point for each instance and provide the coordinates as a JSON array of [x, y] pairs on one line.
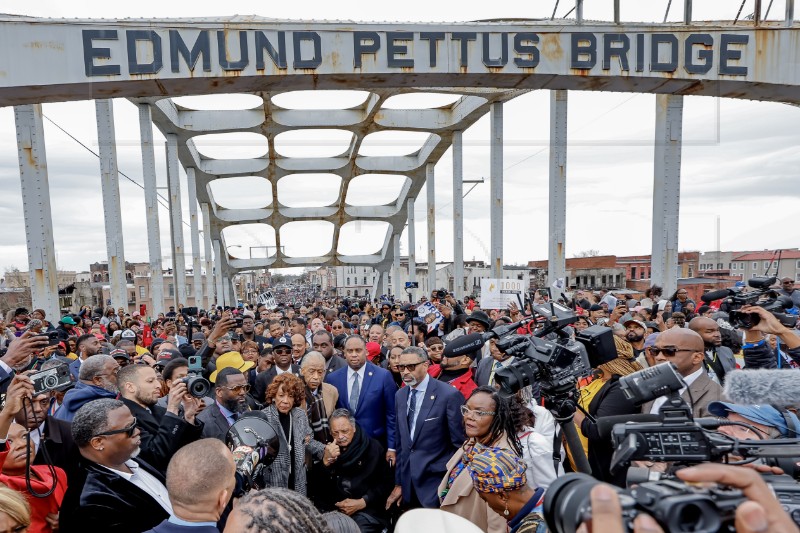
[[441, 293], [196, 384], [50, 379], [763, 297]]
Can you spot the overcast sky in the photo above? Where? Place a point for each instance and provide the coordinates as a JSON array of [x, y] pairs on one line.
[[739, 159]]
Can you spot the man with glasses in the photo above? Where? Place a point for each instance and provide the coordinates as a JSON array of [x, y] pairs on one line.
[[282, 352], [685, 349], [788, 289], [230, 394], [163, 430], [97, 379], [429, 431], [120, 493]]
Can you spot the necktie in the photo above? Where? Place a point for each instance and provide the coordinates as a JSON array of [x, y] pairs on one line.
[[495, 368], [235, 416], [354, 392], [412, 408]]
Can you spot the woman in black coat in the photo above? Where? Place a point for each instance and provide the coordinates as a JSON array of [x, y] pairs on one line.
[[360, 480]]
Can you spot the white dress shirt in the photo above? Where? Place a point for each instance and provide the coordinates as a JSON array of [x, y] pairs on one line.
[[145, 481], [350, 373], [421, 388], [688, 379]]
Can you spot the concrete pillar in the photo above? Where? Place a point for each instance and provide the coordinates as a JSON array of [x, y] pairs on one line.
[[176, 220], [112, 213], [412, 243], [218, 282], [151, 210], [36, 209], [556, 261], [231, 297], [197, 268], [458, 215], [667, 190], [209, 261], [430, 185], [496, 188]]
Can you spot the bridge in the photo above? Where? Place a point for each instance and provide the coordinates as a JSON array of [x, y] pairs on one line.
[[483, 64]]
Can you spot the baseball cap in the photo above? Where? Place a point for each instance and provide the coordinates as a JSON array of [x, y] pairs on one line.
[[761, 414], [198, 336], [282, 342], [119, 353], [129, 334], [637, 322], [68, 320], [596, 307]]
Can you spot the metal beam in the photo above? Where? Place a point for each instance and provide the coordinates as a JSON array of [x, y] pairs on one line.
[[667, 190], [211, 293], [397, 288], [687, 11], [458, 215], [556, 261], [412, 244], [616, 12], [496, 188], [197, 268], [384, 284], [36, 208], [176, 220], [218, 282], [151, 210], [112, 212], [579, 11], [789, 18], [231, 298], [430, 187]]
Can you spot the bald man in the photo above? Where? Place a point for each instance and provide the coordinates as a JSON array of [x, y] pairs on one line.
[[718, 359], [200, 480], [685, 349]]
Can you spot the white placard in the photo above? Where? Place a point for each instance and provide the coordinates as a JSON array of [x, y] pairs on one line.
[[498, 293]]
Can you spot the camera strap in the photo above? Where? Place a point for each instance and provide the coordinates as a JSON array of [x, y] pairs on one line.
[[791, 427], [715, 365]]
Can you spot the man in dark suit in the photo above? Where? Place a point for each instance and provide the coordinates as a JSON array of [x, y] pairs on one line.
[[163, 431], [282, 351], [200, 479], [429, 431], [488, 366], [86, 346], [322, 342], [120, 493], [367, 391], [230, 394]]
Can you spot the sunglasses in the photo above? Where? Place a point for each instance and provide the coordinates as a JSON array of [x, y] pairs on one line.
[[238, 388], [282, 350], [410, 368], [669, 351], [127, 430]]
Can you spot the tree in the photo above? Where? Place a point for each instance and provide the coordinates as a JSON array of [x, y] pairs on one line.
[[588, 253]]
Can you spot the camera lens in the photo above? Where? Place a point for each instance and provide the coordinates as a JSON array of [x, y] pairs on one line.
[[567, 502], [50, 381], [197, 386]]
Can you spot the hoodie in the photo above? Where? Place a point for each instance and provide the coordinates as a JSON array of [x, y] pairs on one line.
[[78, 397]]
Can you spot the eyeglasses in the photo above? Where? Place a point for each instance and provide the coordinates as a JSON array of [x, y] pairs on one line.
[[236, 389], [668, 351], [467, 412], [399, 313], [788, 282], [410, 368], [436, 347], [127, 430], [282, 350]]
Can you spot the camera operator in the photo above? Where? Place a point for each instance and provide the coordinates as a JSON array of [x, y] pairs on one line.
[[200, 481], [762, 512], [768, 421], [163, 431], [758, 353]]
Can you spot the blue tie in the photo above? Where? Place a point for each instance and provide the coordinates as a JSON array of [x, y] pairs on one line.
[[412, 408]]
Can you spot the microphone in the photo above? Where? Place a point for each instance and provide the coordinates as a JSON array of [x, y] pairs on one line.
[[716, 295], [779, 388], [607, 423], [464, 345]]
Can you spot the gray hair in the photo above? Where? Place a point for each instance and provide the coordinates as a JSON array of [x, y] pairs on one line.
[[92, 419], [93, 366], [416, 350], [392, 329], [342, 413], [310, 357]]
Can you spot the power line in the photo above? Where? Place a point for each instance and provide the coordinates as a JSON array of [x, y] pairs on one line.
[[68, 134]]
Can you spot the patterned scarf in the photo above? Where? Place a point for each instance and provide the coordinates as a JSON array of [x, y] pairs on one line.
[[318, 416]]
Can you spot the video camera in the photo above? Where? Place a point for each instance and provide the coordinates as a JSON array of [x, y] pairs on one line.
[[762, 296], [196, 384], [673, 437]]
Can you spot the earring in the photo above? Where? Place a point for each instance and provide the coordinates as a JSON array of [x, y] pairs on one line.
[[101, 449], [505, 511]]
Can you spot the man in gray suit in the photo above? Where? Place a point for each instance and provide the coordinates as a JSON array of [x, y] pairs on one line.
[[719, 359], [685, 349]]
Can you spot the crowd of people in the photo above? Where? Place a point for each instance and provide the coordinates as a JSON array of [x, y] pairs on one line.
[[377, 414]]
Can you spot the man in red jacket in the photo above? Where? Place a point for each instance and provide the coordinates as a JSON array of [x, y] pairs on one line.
[[457, 371]]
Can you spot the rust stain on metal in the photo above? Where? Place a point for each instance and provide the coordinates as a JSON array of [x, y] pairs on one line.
[[52, 45], [560, 249], [29, 155], [161, 87], [551, 47]]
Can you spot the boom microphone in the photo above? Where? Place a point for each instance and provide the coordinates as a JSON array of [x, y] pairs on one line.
[[779, 388], [715, 295]]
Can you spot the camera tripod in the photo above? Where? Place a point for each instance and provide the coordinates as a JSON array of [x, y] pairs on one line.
[[562, 406]]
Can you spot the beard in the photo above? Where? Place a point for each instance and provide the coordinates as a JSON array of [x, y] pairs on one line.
[[110, 386], [411, 381], [144, 400], [234, 406], [633, 337], [136, 452]]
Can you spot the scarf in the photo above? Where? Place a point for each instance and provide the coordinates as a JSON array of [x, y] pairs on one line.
[[318, 416], [355, 450]]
